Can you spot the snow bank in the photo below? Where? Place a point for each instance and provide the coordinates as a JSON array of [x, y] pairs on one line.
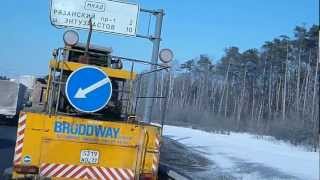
[[226, 150]]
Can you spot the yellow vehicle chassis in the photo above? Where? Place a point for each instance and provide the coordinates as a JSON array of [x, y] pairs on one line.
[[59, 147]]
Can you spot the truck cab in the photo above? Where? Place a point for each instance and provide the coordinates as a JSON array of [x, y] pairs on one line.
[[101, 57]]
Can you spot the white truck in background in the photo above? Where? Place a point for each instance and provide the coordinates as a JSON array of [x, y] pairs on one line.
[[12, 99]]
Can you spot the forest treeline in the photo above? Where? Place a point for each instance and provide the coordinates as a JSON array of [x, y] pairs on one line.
[[272, 90]]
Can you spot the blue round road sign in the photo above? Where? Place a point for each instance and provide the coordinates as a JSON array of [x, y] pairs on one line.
[[88, 89]]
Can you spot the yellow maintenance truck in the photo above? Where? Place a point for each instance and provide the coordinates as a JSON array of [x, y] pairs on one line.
[[57, 141]]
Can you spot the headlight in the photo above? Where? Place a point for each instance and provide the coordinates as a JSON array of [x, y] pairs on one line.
[[70, 37], [166, 55]]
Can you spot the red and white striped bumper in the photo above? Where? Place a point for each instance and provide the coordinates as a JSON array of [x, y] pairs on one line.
[[85, 172]]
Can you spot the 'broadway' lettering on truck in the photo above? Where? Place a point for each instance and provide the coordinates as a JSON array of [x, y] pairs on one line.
[[85, 130]]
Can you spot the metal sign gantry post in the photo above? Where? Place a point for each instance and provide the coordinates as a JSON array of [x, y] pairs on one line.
[[155, 39]]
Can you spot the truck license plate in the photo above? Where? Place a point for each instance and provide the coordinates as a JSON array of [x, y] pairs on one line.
[[89, 157]]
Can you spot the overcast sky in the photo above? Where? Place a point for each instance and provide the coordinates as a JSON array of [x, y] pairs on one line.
[[190, 28]]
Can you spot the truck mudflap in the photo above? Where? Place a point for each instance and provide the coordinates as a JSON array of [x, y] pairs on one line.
[[84, 172]]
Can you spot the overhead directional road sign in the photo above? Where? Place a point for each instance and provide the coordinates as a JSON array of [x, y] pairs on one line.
[[88, 89], [107, 15]]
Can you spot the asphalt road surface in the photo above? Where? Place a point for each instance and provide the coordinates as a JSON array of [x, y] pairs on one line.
[[7, 144], [190, 162]]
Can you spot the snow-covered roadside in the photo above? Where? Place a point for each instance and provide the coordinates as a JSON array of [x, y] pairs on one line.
[[230, 151]]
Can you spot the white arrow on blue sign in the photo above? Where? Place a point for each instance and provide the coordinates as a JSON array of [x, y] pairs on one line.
[[88, 89]]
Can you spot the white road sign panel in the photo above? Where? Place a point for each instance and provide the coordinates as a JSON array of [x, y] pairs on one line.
[[107, 16]]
